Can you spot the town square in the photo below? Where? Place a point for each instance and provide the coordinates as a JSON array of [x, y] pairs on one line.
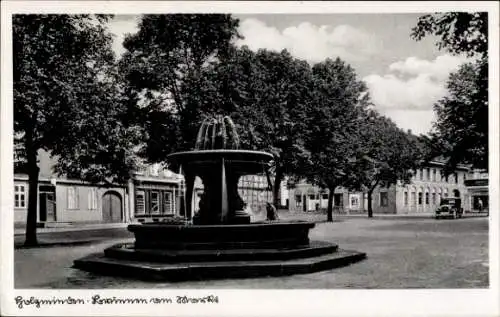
[[249, 150]]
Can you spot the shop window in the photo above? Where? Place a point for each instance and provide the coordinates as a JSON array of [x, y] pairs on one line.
[[72, 198], [155, 203], [140, 205], [384, 201], [20, 196], [168, 207], [354, 201]]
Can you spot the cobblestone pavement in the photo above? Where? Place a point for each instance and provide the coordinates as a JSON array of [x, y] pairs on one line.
[[402, 253]]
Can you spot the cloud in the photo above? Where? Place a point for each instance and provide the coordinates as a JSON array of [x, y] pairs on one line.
[[418, 121], [440, 68], [120, 26], [412, 84], [308, 41]]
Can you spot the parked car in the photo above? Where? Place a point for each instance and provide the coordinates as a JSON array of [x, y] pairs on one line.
[[449, 208]]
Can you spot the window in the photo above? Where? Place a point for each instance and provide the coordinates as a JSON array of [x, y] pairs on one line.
[[92, 199], [384, 199], [325, 196], [456, 178], [140, 205], [406, 198], [422, 175], [427, 174], [298, 198], [312, 197], [73, 198], [168, 206], [420, 195], [426, 198], [155, 203], [433, 174], [20, 196]]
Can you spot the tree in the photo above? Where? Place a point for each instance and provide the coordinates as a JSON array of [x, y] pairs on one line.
[[389, 154], [268, 94], [163, 67], [263, 92], [66, 100], [340, 101], [461, 132], [462, 125]]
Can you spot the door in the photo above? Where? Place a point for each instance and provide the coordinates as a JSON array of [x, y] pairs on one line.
[[47, 206], [111, 207]]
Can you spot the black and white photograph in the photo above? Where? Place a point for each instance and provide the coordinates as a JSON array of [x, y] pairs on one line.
[[250, 158]]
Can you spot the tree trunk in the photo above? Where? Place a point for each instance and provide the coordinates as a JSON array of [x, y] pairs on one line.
[[329, 210], [370, 210], [370, 192], [33, 172], [276, 188]]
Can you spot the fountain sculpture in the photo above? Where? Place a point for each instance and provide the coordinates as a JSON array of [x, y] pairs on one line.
[[221, 241]]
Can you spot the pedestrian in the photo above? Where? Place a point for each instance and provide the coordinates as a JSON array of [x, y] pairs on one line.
[[480, 204], [271, 212]]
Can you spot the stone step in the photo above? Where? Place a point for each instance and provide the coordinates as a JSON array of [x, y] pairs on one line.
[[128, 252], [98, 263]]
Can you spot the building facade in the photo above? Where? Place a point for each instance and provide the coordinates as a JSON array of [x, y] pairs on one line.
[[153, 194], [64, 200], [422, 195], [477, 185], [157, 194]]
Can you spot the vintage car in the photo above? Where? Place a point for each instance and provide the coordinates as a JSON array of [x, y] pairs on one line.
[[449, 207]]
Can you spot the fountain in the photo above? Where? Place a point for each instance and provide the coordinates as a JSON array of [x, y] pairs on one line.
[[221, 242]]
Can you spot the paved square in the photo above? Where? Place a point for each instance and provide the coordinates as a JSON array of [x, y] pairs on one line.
[[402, 253]]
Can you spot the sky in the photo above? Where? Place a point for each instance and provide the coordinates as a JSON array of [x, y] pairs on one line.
[[404, 77]]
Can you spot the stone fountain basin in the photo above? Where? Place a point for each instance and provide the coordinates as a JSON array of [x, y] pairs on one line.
[[249, 161], [270, 234]]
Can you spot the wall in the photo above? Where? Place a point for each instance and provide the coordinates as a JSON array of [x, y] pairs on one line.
[[83, 213], [392, 200], [429, 180], [438, 186]]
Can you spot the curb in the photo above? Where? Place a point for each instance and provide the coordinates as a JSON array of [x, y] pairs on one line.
[[76, 227]]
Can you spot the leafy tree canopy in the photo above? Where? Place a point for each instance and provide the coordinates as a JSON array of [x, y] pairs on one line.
[[67, 100], [461, 131]]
